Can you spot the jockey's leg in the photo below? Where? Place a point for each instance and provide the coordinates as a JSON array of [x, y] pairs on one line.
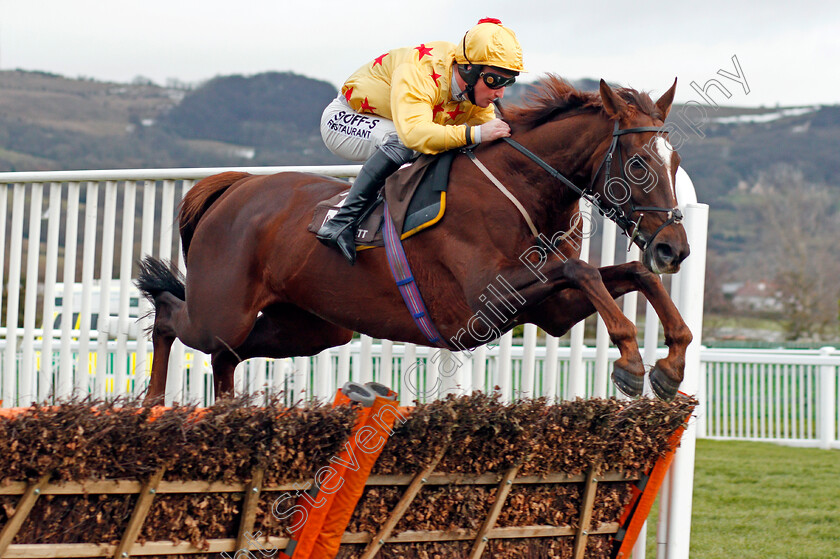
[[340, 230]]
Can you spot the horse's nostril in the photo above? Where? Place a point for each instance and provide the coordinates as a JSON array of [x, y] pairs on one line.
[[664, 253], [668, 255]]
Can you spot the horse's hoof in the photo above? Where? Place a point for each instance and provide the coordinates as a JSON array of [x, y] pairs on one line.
[[663, 387], [627, 383]]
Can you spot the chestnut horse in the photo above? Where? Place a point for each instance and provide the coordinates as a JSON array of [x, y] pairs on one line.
[[259, 284]]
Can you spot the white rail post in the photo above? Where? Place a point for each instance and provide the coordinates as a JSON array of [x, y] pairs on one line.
[[529, 362], [88, 253], [176, 377], [602, 343], [147, 237], [385, 371], [276, 386], [365, 373], [3, 210], [49, 381], [66, 382], [551, 372], [828, 402], [121, 370], [464, 372], [577, 371], [504, 367], [343, 365], [651, 341], [452, 371], [27, 392], [692, 279], [323, 388], [410, 376], [10, 387], [106, 271], [300, 374], [702, 395], [479, 369]]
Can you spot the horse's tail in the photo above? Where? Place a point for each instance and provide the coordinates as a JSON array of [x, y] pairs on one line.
[[199, 198], [156, 276]]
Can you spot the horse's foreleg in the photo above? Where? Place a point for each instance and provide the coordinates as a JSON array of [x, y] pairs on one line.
[[667, 374], [555, 277], [629, 369], [567, 308]]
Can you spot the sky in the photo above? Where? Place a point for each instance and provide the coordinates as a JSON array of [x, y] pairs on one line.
[[774, 52]]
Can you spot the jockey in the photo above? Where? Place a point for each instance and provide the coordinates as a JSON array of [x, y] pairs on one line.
[[425, 99]]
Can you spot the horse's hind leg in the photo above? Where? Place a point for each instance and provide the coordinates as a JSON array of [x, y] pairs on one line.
[[162, 339], [218, 315], [165, 289], [224, 365], [280, 331]]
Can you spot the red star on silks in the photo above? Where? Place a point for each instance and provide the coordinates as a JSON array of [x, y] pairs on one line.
[[455, 113], [438, 108], [348, 94], [366, 108], [423, 50], [435, 77], [378, 59]]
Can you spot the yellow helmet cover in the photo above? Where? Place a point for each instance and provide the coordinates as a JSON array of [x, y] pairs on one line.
[[489, 43]]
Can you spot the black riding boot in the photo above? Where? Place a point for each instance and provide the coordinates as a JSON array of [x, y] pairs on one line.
[[340, 231]]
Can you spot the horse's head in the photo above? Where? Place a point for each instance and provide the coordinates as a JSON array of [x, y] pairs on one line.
[[635, 180]]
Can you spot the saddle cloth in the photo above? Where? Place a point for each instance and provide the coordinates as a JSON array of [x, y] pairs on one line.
[[416, 197]]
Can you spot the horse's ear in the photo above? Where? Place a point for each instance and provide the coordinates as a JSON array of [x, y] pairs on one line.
[[664, 102], [613, 104]]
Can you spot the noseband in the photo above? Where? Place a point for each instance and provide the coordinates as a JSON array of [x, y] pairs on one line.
[[615, 212]]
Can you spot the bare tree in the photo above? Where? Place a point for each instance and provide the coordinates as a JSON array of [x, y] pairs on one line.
[[800, 226]]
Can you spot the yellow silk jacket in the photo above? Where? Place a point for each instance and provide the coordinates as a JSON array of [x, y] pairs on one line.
[[411, 87]]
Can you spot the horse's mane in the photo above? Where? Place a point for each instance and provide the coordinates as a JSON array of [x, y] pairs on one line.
[[554, 97]]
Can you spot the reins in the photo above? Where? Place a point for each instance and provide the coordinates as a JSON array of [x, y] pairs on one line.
[[613, 211]]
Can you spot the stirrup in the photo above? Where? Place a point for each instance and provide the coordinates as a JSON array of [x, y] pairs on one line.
[[337, 240]]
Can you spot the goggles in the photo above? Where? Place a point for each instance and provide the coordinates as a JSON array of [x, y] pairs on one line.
[[496, 81]]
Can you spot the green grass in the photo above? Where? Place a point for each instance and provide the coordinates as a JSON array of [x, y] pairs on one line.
[[762, 501], [740, 321]]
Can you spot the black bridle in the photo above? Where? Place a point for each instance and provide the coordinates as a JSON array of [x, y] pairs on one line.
[[622, 218]]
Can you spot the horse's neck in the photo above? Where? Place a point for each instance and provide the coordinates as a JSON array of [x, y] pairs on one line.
[[572, 147]]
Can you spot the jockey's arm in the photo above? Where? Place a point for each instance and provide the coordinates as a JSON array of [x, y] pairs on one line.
[[412, 105]]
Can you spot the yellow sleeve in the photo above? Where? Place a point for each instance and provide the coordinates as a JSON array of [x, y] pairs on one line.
[[413, 97], [480, 116]]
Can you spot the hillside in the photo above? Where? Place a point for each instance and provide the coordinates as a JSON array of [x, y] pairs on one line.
[[51, 122], [48, 122]]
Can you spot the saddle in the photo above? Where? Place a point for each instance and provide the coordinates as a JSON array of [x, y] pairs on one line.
[[416, 197]]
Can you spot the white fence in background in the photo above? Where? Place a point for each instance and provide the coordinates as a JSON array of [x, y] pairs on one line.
[[781, 396], [81, 313], [79, 222]]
